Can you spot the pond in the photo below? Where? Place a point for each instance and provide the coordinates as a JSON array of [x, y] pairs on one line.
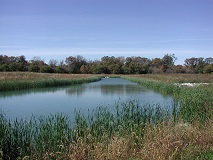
[[106, 92]]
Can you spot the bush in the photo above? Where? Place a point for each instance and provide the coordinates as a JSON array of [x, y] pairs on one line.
[[46, 69], [33, 68], [60, 69], [208, 68]]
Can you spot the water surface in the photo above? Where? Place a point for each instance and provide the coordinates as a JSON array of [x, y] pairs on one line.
[[108, 91]]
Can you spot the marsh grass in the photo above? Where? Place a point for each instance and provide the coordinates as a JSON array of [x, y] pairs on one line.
[[16, 76], [41, 80], [177, 78], [196, 103], [41, 136], [131, 131]]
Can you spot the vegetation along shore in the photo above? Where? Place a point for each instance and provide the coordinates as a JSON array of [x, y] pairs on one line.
[[27, 80], [133, 131]]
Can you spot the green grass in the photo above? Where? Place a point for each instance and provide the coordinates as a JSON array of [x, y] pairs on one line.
[[196, 103], [131, 131], [53, 133], [41, 83]]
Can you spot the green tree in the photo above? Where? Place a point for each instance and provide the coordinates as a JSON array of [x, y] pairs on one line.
[[168, 62], [4, 68], [60, 69], [33, 68], [22, 63], [208, 68], [46, 69], [137, 65]]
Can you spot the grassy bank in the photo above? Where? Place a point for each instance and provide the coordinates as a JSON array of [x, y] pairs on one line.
[[18, 81], [177, 78], [196, 103], [131, 132]]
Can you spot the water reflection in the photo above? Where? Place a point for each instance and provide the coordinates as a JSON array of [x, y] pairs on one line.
[[75, 90], [106, 92], [28, 91], [105, 89]]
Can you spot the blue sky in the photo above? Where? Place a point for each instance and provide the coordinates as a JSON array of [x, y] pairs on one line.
[[56, 29]]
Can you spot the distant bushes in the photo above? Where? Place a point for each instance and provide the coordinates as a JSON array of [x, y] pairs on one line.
[[107, 65]]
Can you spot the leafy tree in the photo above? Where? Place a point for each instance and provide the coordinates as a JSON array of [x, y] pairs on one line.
[[33, 68], [46, 69], [97, 67], [13, 66], [156, 62], [60, 69], [180, 69], [22, 63], [4, 68], [38, 61], [84, 69], [137, 65], [35, 64], [53, 63], [168, 61], [195, 65], [208, 68], [74, 63], [128, 66]]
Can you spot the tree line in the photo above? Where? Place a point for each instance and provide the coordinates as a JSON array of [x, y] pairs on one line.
[[107, 65]]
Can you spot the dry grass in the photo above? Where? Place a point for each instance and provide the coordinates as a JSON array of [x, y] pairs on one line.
[[160, 142], [177, 142], [178, 78], [27, 80], [8, 76]]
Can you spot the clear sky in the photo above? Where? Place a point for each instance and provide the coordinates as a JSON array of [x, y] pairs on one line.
[[56, 29]]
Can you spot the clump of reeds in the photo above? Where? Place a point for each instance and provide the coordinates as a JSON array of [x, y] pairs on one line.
[[196, 103], [131, 131], [46, 135], [40, 83]]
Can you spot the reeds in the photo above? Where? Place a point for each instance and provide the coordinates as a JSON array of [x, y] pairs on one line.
[[177, 78], [41, 83], [16, 76], [130, 131], [41, 136], [196, 103]]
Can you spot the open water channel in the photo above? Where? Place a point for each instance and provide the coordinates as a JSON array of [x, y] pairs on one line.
[[106, 92]]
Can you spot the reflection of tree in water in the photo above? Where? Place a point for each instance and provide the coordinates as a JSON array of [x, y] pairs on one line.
[[120, 89], [76, 90], [105, 89], [29, 91]]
